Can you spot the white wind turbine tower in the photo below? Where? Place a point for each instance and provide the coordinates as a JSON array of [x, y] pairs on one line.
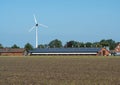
[[36, 27]]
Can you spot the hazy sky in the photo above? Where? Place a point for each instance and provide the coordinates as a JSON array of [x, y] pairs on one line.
[[80, 20]]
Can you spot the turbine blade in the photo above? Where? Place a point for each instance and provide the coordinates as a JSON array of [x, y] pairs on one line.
[[43, 25], [35, 19], [31, 28]]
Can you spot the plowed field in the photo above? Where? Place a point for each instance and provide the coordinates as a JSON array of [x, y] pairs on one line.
[[59, 70]]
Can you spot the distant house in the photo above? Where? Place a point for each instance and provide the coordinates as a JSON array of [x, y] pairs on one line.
[[117, 48], [12, 52], [116, 51], [70, 51]]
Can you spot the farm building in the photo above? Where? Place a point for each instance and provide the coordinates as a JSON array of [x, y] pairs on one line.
[[70, 51], [12, 52], [116, 51]]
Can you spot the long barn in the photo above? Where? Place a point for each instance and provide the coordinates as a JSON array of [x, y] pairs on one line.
[[70, 51], [12, 52]]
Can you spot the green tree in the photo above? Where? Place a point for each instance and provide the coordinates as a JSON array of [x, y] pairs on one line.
[[55, 44], [28, 46], [110, 43], [1, 46], [15, 46], [88, 44], [96, 44], [43, 46], [104, 43], [72, 44]]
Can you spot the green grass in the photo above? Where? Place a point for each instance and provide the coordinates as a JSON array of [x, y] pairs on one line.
[[59, 70]]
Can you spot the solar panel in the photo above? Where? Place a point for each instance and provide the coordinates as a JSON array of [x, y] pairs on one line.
[[64, 50]]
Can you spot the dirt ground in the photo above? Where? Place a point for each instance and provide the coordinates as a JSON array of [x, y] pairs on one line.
[[59, 71]]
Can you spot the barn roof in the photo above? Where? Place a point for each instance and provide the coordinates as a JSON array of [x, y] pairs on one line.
[[11, 50], [65, 50]]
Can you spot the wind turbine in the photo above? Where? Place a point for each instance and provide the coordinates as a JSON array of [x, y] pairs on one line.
[[36, 27]]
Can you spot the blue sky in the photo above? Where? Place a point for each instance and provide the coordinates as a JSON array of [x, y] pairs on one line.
[[80, 20]]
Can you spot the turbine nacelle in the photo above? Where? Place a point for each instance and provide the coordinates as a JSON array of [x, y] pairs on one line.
[[36, 25]]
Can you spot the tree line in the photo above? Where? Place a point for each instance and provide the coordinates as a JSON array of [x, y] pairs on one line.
[[56, 43], [76, 44]]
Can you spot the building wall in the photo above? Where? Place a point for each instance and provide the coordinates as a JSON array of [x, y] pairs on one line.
[[11, 54]]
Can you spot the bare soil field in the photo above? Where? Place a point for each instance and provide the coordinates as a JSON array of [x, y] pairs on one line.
[[59, 70]]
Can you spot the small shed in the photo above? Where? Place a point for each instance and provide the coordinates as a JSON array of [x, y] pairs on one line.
[[103, 52], [70, 51], [12, 52]]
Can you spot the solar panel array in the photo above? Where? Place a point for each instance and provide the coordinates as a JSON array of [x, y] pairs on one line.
[[65, 50]]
